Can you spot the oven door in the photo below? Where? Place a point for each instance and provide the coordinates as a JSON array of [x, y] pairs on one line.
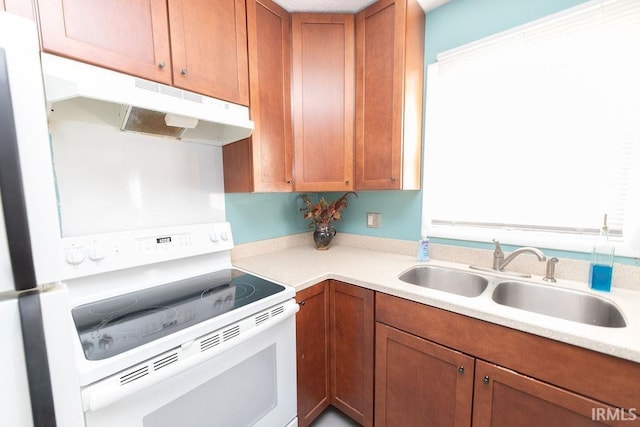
[[252, 383]]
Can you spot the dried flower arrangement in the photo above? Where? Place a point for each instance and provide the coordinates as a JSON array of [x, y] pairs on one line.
[[323, 213]]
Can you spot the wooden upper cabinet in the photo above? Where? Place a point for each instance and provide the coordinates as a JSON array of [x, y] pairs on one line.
[[131, 37], [323, 77], [263, 162], [389, 92], [209, 48], [205, 52], [23, 8]]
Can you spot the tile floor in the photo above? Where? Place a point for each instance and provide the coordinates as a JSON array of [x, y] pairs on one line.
[[331, 417]]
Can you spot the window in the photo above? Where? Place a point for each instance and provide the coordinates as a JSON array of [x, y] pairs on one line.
[[533, 135]]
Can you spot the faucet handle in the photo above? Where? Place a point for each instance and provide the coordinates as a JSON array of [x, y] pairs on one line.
[[498, 250], [551, 269], [498, 255]]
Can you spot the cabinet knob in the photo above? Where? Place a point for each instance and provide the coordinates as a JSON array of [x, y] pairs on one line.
[[301, 303], [161, 64], [461, 370], [288, 181], [485, 380], [392, 179], [184, 72], [346, 182]]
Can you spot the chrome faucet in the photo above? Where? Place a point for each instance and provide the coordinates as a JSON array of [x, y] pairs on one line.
[[500, 262]]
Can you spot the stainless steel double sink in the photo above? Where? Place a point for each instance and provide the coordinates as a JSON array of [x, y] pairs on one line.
[[552, 301]]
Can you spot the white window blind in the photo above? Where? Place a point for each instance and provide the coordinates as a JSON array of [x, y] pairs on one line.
[[534, 132]]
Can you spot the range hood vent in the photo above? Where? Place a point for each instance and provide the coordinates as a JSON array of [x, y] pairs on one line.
[[146, 106]]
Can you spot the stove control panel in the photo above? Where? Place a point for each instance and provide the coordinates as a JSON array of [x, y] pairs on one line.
[[101, 253]]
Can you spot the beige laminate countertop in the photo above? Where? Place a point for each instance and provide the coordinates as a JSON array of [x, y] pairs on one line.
[[303, 266]]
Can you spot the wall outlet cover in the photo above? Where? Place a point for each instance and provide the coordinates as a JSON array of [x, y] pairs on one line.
[[373, 219]]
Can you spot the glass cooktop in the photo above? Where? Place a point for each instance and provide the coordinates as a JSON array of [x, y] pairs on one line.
[[112, 326]]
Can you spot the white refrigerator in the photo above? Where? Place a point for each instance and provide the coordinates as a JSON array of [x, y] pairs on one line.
[[38, 379]]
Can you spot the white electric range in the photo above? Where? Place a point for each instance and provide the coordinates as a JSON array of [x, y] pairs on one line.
[[185, 341]]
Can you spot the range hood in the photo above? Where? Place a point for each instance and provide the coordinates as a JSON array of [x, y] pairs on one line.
[[145, 106]]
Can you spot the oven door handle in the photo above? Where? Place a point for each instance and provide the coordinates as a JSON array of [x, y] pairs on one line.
[[111, 389]]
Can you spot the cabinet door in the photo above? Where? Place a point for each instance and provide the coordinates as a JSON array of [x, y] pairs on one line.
[[420, 383], [262, 162], [313, 336], [352, 329], [323, 101], [131, 37], [209, 48], [389, 87], [505, 398], [23, 8]]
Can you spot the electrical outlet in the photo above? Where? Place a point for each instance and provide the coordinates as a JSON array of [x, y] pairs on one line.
[[373, 220]]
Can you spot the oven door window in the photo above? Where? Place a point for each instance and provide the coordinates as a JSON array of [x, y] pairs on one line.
[[251, 384]]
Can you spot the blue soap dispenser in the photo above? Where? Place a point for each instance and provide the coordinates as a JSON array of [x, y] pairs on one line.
[[601, 267], [423, 249]]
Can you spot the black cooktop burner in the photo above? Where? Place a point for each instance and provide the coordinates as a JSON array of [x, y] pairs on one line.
[[118, 324]]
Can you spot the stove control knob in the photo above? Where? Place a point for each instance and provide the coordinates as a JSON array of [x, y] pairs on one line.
[[224, 235], [97, 253], [213, 236], [74, 256]]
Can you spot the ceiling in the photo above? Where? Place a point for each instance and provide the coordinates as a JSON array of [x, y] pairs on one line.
[[342, 5]]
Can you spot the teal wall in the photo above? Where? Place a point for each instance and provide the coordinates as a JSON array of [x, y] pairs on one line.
[[260, 216], [401, 213], [263, 216], [463, 21]]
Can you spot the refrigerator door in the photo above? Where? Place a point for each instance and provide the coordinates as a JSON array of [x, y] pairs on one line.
[[37, 389], [15, 405], [6, 275], [33, 226]]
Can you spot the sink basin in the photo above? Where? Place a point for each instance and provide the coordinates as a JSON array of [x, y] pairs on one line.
[[562, 303], [446, 280]]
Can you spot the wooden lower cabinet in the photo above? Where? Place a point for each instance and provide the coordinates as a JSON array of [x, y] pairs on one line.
[[520, 379], [438, 368], [352, 330], [505, 398], [335, 351], [420, 383], [312, 343]]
